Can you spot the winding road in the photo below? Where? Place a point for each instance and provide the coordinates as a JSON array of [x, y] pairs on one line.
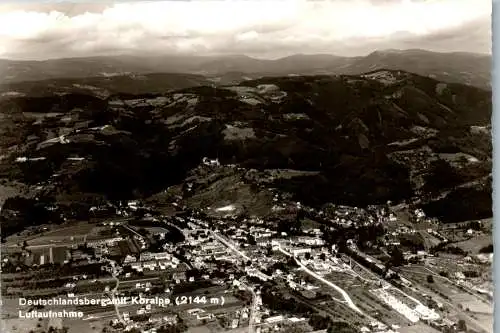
[[114, 290], [113, 294], [344, 294]]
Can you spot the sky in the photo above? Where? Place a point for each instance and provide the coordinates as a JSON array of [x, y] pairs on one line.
[[260, 28]]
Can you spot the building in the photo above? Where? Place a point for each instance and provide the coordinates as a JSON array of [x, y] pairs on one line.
[[179, 276], [280, 242], [103, 241], [300, 251], [146, 256], [162, 256], [210, 162], [129, 259], [258, 274], [274, 319], [151, 265], [312, 241], [79, 255], [133, 205], [137, 266]]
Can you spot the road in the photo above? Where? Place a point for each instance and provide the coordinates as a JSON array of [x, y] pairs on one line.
[[115, 273], [253, 308], [141, 279], [229, 245], [176, 227], [344, 294], [42, 246], [132, 230], [113, 295], [333, 313]]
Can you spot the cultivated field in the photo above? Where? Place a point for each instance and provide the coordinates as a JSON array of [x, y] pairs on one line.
[[417, 328], [473, 245], [472, 303]]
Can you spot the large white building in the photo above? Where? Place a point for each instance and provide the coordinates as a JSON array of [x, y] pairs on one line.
[[310, 240], [300, 251], [258, 274], [104, 241], [129, 259]]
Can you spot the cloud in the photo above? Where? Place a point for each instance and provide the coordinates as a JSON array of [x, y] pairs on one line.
[[253, 27]]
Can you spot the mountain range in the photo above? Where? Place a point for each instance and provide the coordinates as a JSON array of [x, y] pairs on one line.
[[459, 67], [345, 139]]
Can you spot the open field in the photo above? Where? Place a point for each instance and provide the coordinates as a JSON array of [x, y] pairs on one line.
[[473, 245], [156, 230], [417, 328], [7, 191], [54, 233], [288, 173], [342, 312], [440, 285], [374, 307], [78, 229], [345, 281], [81, 326], [452, 266], [21, 325], [428, 239], [309, 224], [470, 302], [55, 322], [334, 309], [403, 217], [486, 320], [10, 307], [486, 223]]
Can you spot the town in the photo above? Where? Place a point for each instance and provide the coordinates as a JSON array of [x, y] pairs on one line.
[[385, 268]]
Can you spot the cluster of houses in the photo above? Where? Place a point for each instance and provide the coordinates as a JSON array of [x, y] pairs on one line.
[[152, 261], [254, 236]]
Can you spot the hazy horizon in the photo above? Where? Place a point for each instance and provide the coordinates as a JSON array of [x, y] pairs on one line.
[[259, 29], [241, 55]]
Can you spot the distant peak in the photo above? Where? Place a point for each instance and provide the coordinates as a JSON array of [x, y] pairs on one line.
[[390, 51], [398, 51], [237, 56]]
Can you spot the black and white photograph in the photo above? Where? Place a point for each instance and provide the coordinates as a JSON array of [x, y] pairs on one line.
[[246, 166]]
